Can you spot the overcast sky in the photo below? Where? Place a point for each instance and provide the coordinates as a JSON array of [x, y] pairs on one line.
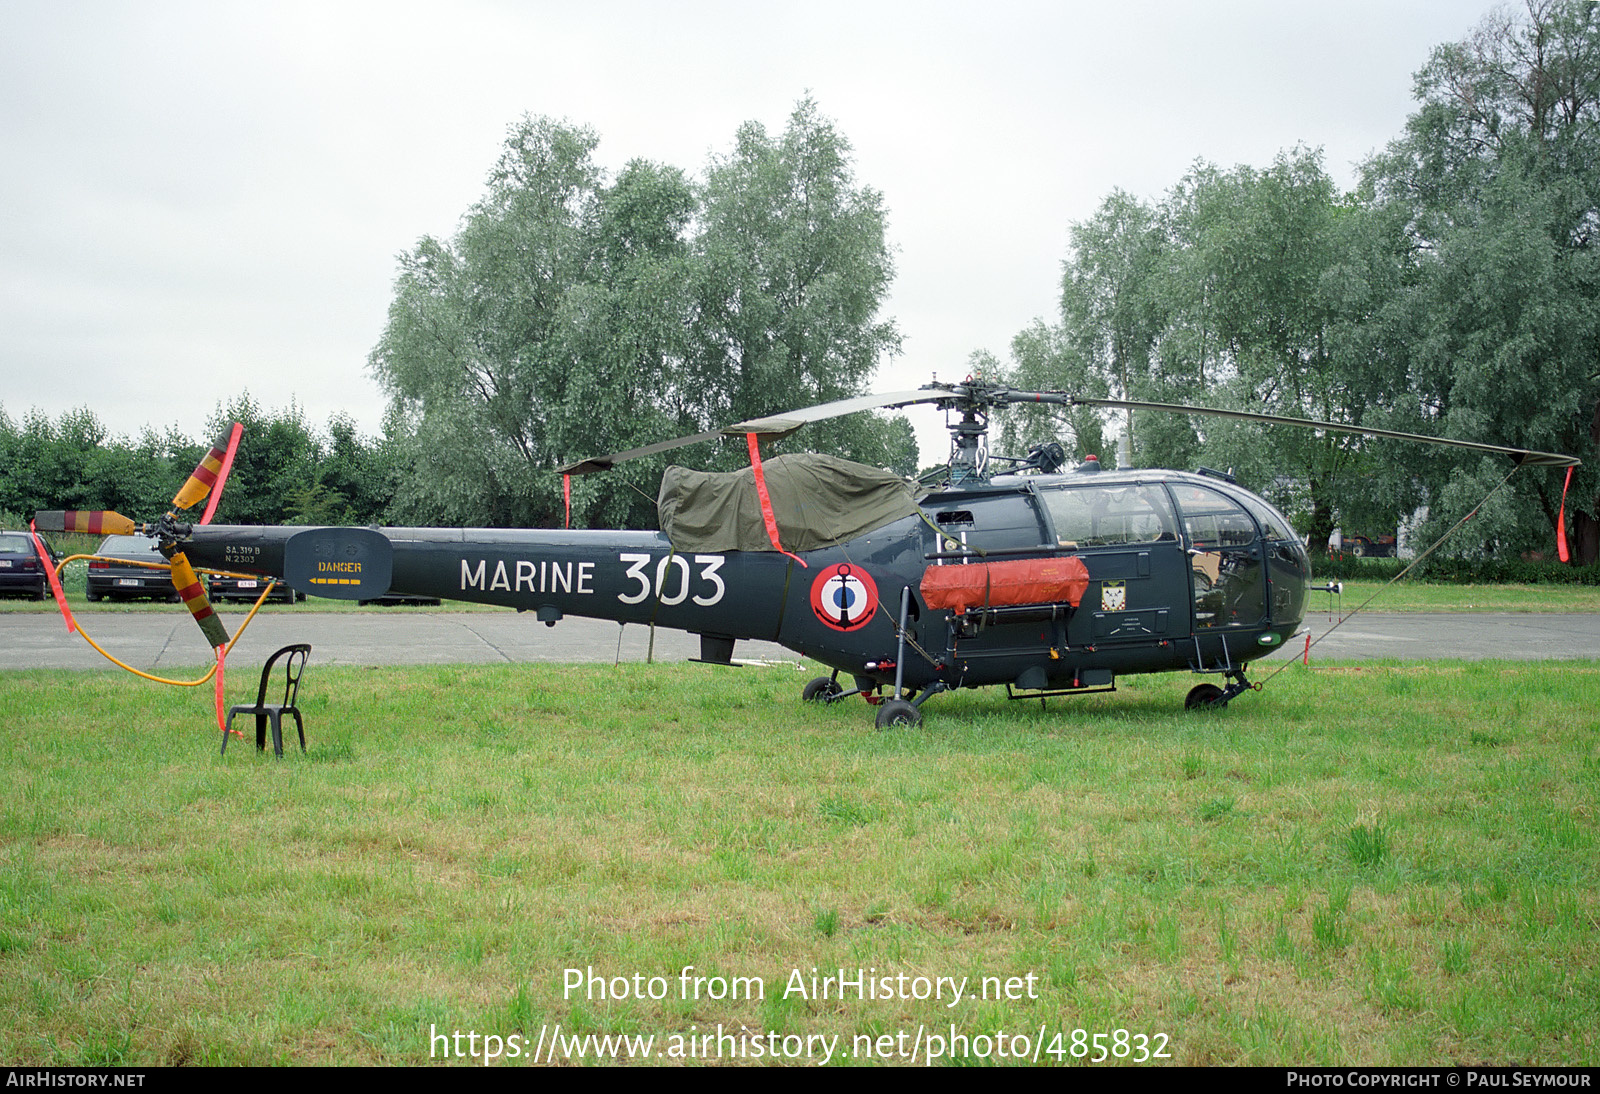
[[198, 199]]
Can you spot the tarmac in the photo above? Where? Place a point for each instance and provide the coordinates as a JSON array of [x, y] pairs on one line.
[[155, 641]]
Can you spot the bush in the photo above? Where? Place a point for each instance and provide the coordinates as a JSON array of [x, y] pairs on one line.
[[1508, 571]]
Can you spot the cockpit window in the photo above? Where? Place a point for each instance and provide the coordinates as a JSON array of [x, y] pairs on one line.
[[1100, 516], [1211, 519], [1273, 524]]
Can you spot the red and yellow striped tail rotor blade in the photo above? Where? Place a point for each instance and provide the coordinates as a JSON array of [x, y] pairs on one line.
[[205, 476], [194, 597], [96, 522], [222, 476]]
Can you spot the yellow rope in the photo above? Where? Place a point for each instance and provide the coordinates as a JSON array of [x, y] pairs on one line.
[[271, 584]]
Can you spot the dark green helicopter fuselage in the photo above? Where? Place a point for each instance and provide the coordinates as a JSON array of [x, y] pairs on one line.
[[1186, 572]]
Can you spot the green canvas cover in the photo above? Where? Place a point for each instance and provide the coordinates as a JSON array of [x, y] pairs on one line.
[[818, 501]]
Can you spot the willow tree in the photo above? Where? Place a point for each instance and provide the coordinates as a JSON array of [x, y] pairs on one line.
[[573, 315], [1498, 180]]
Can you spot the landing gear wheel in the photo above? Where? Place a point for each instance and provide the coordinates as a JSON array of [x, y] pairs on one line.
[[898, 712], [820, 690], [1205, 697]]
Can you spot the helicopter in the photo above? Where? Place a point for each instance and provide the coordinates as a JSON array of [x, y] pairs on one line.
[[1047, 580]]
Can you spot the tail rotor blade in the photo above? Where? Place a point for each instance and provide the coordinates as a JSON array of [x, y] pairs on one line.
[[96, 522], [194, 598], [222, 476], [205, 476]]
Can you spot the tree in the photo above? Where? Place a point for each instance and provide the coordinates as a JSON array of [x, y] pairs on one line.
[[278, 458], [1112, 309], [624, 340], [793, 269], [471, 357], [1283, 277], [358, 470], [1498, 180], [1041, 360], [1244, 289], [75, 462], [571, 316]]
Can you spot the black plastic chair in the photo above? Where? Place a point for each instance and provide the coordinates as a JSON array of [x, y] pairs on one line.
[[274, 712]]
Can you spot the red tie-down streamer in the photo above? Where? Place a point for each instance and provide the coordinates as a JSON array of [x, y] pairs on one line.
[[766, 499]]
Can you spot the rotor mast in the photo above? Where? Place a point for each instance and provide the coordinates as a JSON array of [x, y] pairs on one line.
[[974, 399]]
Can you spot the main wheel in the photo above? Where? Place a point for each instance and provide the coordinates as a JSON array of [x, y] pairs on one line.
[[820, 690], [898, 712], [1204, 697]]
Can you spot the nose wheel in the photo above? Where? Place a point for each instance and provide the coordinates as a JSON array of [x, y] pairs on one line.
[[1211, 697]]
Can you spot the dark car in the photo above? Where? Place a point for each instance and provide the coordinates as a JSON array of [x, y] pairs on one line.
[[21, 572], [125, 580], [402, 600], [221, 589]]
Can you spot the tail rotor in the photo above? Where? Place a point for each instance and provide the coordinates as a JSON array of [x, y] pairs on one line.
[[205, 482]]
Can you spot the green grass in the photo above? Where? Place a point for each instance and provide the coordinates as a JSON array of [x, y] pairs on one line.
[[1390, 864], [1412, 596]]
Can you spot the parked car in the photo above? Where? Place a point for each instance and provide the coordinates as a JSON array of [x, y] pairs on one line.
[[21, 572], [221, 589], [118, 580]]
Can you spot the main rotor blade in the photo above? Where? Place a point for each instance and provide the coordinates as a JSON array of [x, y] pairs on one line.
[[778, 425], [605, 463], [95, 522], [781, 425], [1522, 455]]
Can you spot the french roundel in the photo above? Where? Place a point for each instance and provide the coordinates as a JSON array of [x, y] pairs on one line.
[[844, 597]]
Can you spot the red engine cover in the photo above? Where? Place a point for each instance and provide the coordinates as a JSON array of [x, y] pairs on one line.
[[990, 584]]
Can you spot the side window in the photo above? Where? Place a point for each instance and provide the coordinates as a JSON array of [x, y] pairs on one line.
[[1103, 516], [989, 521]]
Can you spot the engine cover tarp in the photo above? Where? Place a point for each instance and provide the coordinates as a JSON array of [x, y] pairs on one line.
[[992, 584], [818, 500]]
